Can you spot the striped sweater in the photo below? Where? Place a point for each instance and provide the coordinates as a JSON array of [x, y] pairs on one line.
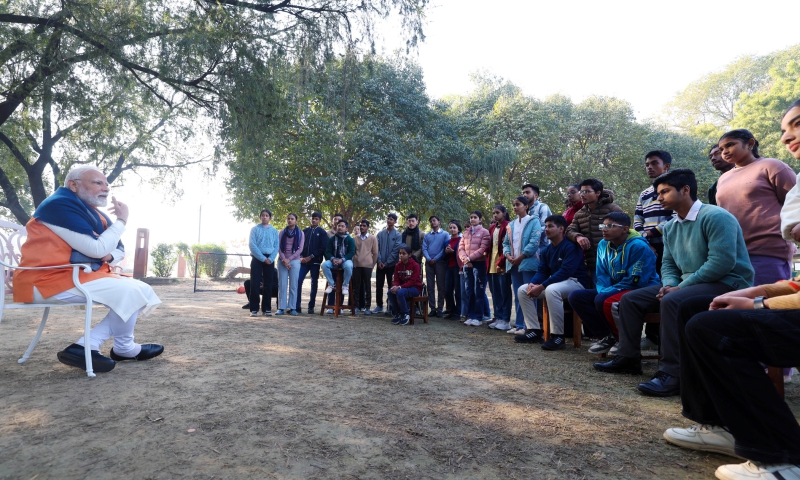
[[650, 217]]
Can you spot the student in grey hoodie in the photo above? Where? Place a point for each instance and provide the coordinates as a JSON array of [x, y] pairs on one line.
[[389, 240]]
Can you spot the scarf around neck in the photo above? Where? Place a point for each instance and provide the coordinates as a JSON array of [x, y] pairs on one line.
[[287, 234], [339, 245], [414, 239], [66, 210]]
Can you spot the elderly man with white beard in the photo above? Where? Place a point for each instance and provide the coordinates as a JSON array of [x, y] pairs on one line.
[[68, 228]]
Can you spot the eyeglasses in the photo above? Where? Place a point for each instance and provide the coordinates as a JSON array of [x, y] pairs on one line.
[[605, 226], [586, 192]]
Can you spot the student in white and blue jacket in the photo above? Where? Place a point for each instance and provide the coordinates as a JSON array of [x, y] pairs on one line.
[[521, 249]]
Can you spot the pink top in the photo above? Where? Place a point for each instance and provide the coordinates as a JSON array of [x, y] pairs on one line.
[[754, 194], [288, 255]]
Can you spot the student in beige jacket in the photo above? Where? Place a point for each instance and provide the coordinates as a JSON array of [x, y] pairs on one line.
[[365, 260]]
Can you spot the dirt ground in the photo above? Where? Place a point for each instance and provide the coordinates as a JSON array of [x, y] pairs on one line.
[[318, 397]]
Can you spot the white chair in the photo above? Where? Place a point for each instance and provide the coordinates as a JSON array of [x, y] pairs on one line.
[[10, 244]]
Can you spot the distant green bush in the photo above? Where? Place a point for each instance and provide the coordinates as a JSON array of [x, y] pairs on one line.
[[210, 265], [164, 259]]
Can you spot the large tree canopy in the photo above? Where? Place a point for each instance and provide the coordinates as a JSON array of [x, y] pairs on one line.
[[555, 142], [118, 84], [363, 140]]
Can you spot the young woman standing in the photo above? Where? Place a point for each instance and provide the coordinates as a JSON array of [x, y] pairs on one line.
[[472, 252], [263, 250], [290, 240], [754, 192], [520, 248], [452, 284]]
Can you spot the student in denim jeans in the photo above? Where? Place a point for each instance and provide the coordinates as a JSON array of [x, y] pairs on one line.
[[452, 289], [472, 251]]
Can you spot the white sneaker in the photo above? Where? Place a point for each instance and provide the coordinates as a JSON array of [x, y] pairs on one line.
[[501, 325], [614, 349], [329, 289], [474, 323], [707, 438], [492, 325], [758, 471], [329, 311], [515, 331], [345, 290]]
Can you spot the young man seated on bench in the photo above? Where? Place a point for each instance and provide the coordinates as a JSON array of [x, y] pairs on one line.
[[339, 254], [561, 272], [704, 253], [625, 262]]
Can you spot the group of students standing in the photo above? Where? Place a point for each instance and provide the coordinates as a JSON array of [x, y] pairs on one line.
[[695, 263]]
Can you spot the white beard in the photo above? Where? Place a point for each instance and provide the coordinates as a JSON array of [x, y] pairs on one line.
[[96, 201]]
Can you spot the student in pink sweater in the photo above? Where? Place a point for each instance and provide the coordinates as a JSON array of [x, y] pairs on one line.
[[754, 192], [472, 252]]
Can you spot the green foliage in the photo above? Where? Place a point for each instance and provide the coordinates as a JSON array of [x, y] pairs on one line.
[[752, 93], [761, 112], [747, 93], [210, 265], [164, 259], [556, 143], [364, 141], [121, 85]]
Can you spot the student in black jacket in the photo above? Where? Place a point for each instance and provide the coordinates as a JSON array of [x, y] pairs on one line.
[[316, 240]]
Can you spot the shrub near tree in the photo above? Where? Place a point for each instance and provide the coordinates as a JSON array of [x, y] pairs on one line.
[[210, 265], [164, 259]]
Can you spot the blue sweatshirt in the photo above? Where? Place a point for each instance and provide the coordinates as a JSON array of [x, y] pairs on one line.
[[629, 266], [560, 262], [433, 244], [264, 243]]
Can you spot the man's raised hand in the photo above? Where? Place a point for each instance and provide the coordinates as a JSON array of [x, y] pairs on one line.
[[119, 209]]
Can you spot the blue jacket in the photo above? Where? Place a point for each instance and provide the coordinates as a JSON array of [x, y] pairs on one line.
[[560, 262], [630, 266], [531, 236]]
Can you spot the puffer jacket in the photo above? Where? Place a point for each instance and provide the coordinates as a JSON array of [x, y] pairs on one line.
[[629, 266], [586, 223], [474, 243]]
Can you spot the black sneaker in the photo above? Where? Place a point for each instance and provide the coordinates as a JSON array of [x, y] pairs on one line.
[[405, 319], [555, 342], [311, 311], [396, 320], [603, 346], [530, 336]]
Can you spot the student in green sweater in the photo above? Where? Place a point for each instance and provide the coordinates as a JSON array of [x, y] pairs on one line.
[[704, 254], [340, 252]]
